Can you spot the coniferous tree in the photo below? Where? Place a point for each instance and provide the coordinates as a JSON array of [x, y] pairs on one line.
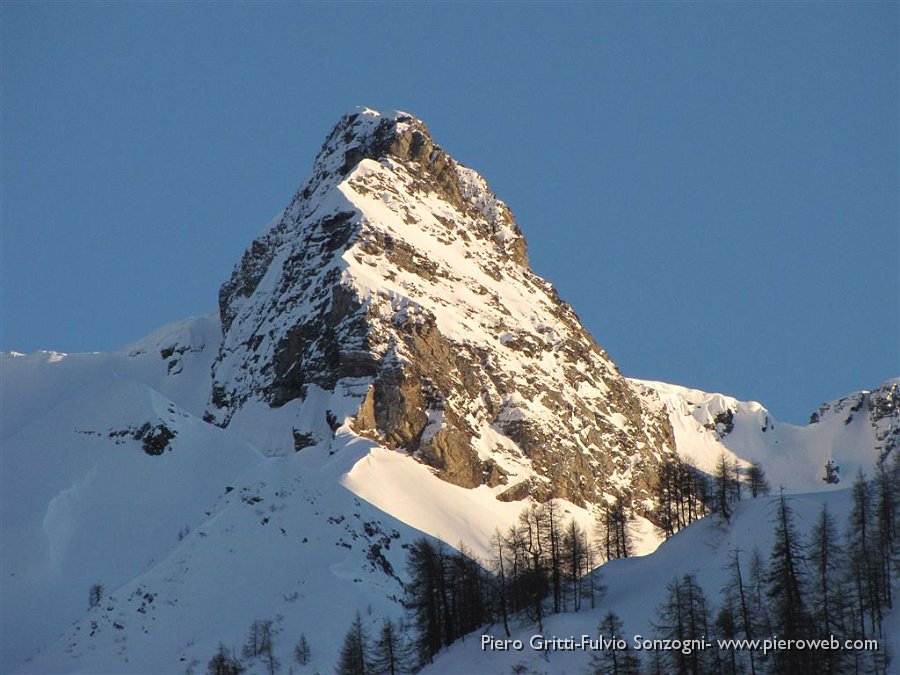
[[827, 561], [665, 496], [272, 662], [549, 520], [887, 529], [739, 604], [685, 616], [832, 473], [535, 581], [736, 482], [657, 663], [699, 492], [260, 645], [224, 662], [727, 627], [756, 480], [612, 529], [95, 595], [623, 538], [515, 546], [470, 591], [390, 652], [354, 656], [606, 530], [786, 591], [687, 491], [613, 661], [516, 569], [449, 595], [756, 586], [593, 587], [423, 598], [444, 587], [302, 651], [865, 567], [706, 492], [574, 561], [499, 566], [259, 640], [828, 597], [679, 496], [727, 486]]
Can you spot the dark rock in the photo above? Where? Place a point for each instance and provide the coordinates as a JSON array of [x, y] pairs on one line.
[[302, 440], [154, 439]]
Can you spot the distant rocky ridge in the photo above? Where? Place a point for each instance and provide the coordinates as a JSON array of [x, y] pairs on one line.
[[397, 280], [881, 408]]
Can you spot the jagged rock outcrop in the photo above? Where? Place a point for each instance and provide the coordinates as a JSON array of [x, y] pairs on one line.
[[881, 409], [396, 285], [844, 436]]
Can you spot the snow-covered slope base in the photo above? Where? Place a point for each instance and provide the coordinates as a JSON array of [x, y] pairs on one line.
[[193, 544], [636, 587], [195, 536], [100, 473]]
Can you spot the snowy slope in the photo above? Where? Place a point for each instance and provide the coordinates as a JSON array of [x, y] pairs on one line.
[[82, 501], [187, 562], [637, 586], [854, 432], [177, 539], [284, 543], [289, 541]]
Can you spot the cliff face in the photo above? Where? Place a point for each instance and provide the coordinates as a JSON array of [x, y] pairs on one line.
[[395, 286], [878, 409]]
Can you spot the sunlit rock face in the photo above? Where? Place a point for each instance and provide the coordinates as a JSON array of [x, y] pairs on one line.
[[396, 280]]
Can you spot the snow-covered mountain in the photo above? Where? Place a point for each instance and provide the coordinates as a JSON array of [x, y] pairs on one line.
[[853, 433], [396, 286], [383, 364]]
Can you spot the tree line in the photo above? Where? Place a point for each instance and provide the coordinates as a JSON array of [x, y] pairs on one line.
[[807, 589], [683, 494]]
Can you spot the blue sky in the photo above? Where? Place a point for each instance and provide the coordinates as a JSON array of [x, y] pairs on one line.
[[712, 186]]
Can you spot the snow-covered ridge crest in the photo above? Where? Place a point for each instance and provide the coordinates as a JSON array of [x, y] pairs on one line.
[[42, 355], [397, 282], [853, 432]]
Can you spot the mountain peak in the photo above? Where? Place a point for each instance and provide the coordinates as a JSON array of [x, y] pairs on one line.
[[368, 134], [398, 139], [393, 297]]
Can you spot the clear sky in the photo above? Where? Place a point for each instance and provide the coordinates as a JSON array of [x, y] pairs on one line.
[[712, 186]]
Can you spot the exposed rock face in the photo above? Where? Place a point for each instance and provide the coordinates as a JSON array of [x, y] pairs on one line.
[[154, 439], [397, 281], [880, 408], [884, 415]]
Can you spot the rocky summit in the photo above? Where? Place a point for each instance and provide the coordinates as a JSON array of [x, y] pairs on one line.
[[393, 294]]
